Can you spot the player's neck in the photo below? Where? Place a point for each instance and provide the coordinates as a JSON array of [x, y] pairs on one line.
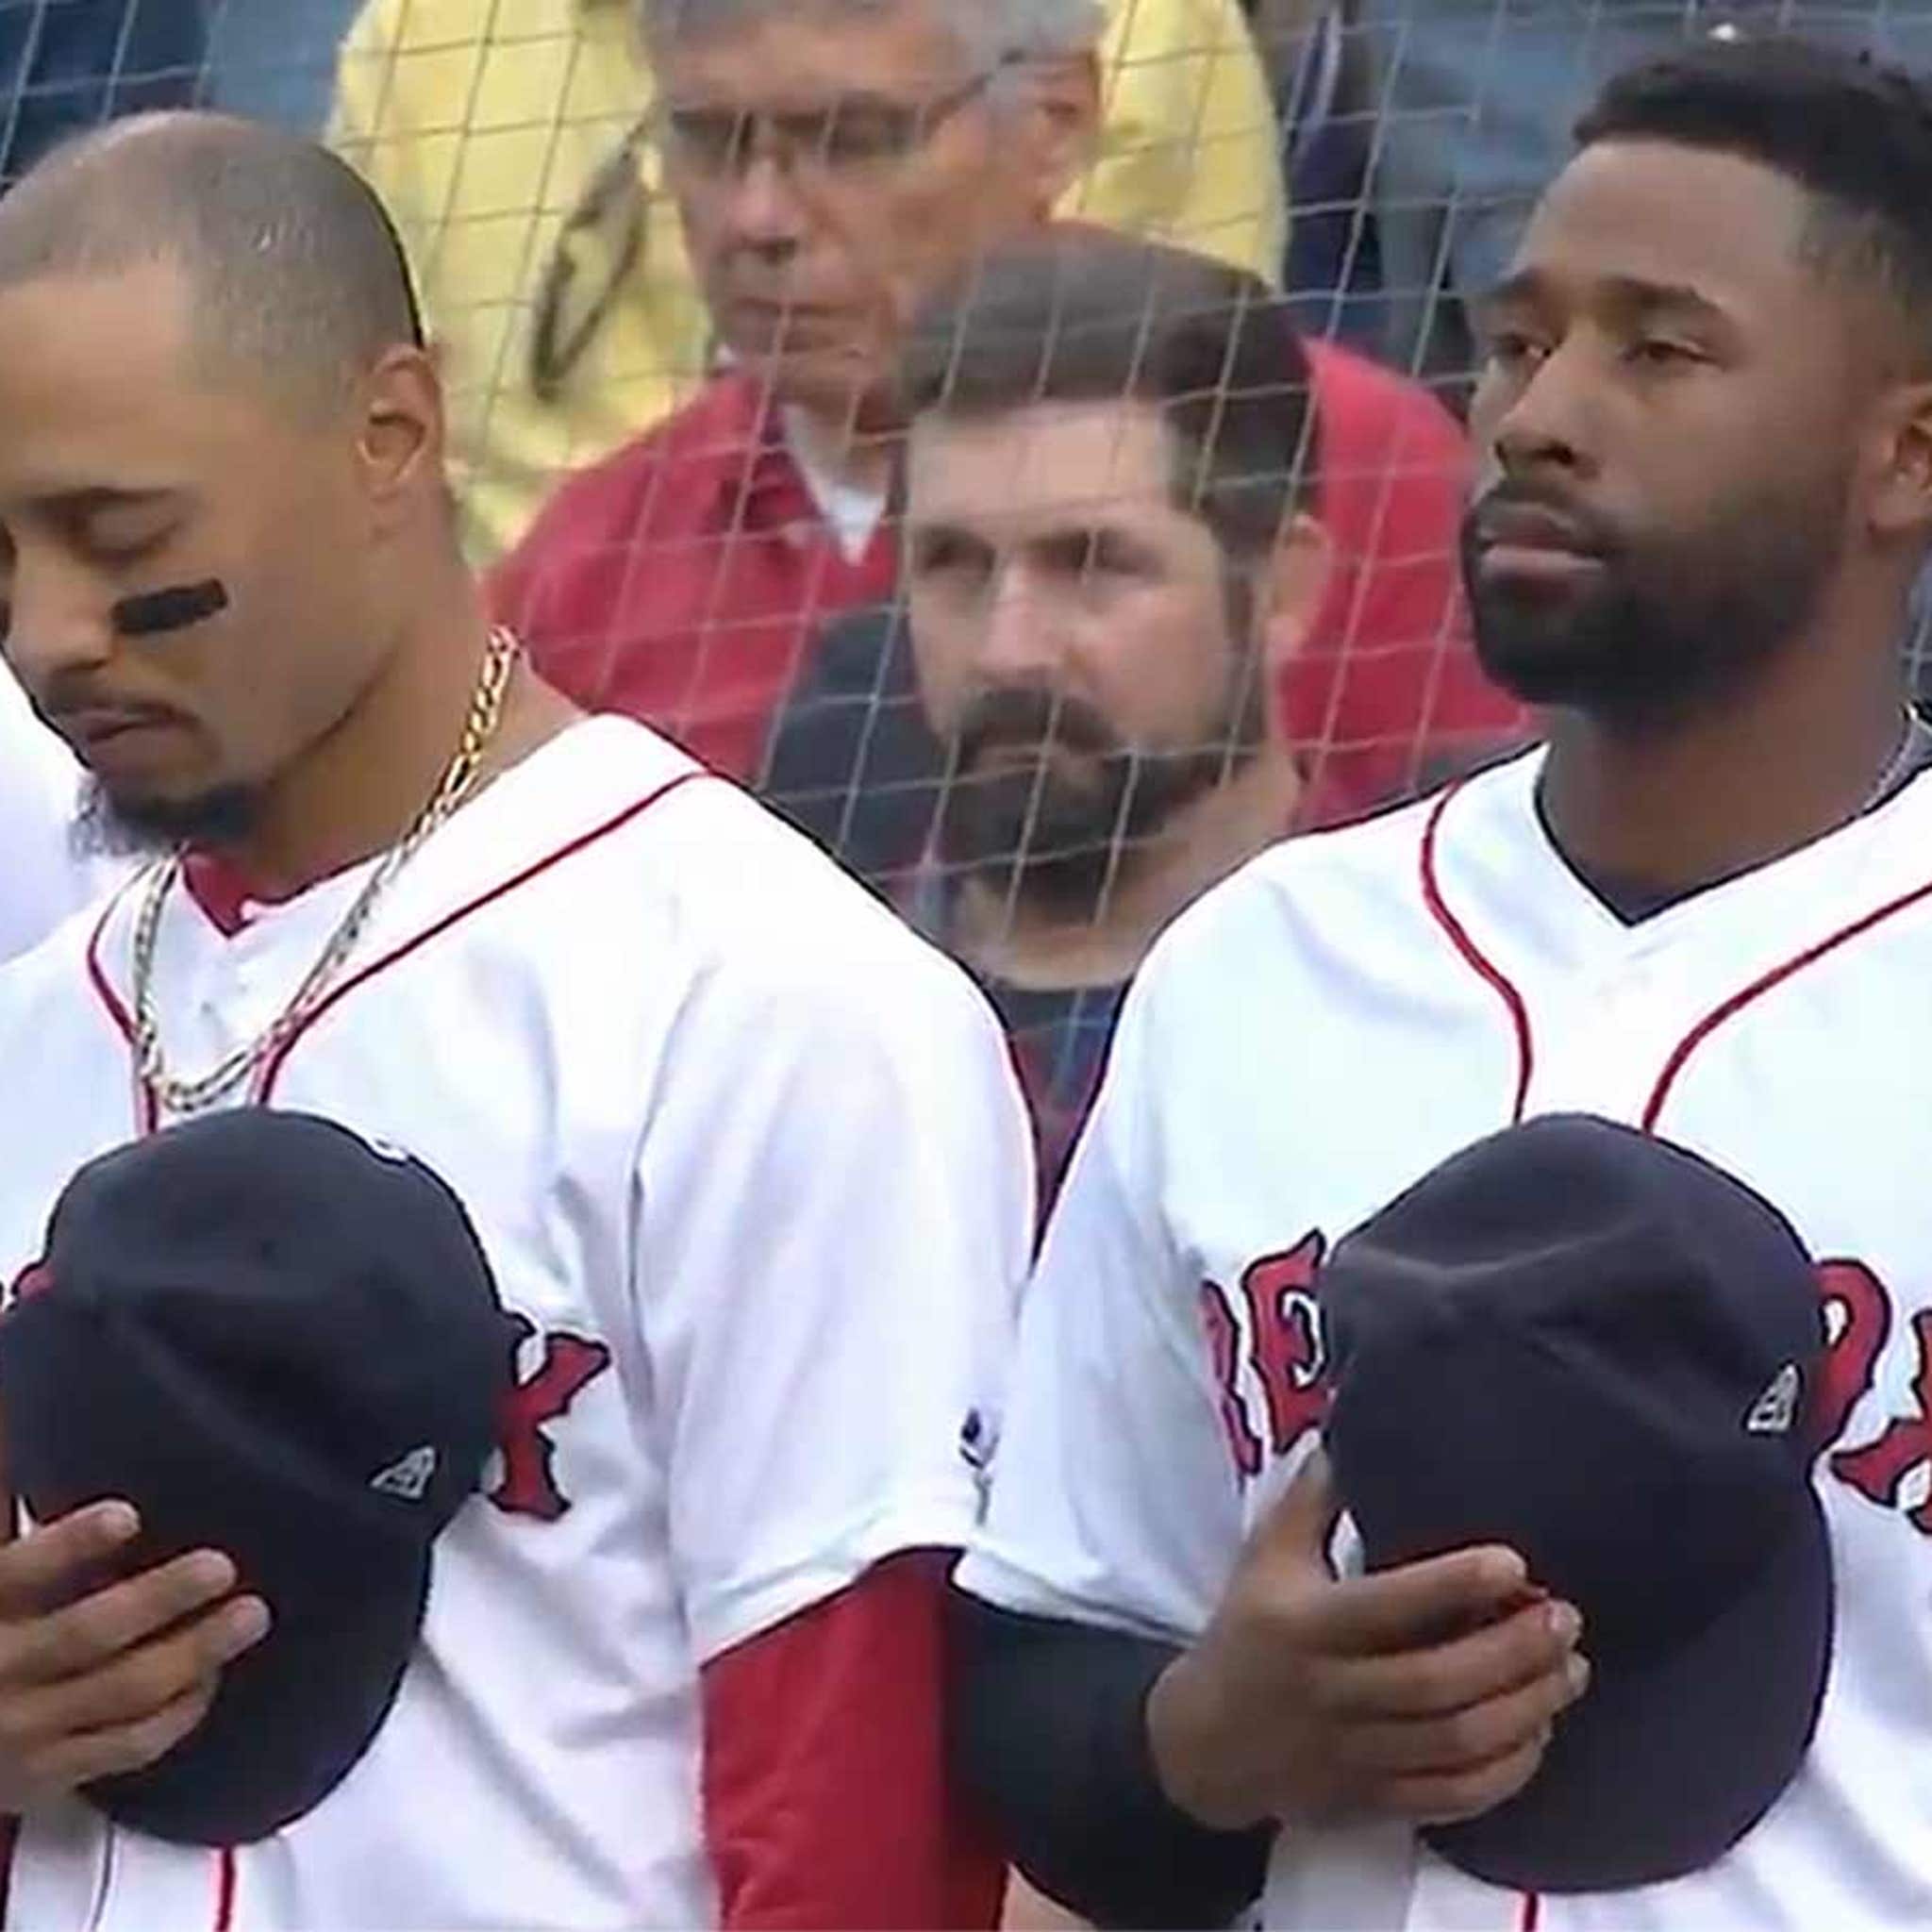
[[359, 790], [1771, 770], [1047, 948]]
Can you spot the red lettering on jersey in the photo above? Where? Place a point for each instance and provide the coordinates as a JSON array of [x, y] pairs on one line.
[[1857, 1315], [1223, 1348], [1283, 1328], [528, 1487], [1879, 1470], [1285, 1334]]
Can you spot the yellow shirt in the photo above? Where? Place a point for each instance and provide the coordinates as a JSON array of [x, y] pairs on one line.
[[482, 123]]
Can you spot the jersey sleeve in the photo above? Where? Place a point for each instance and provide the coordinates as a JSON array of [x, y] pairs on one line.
[[1114, 1495], [835, 1213]]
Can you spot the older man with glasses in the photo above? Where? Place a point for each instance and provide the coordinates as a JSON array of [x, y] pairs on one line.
[[836, 164], [509, 141], [832, 162]]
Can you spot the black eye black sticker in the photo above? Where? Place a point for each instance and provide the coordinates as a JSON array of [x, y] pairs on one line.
[[156, 611]]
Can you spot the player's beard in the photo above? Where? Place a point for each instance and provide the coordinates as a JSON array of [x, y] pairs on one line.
[[1666, 630], [1058, 830], [111, 825]]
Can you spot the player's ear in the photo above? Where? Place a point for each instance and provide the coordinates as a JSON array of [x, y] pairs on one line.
[[1900, 504], [1290, 587], [400, 443]]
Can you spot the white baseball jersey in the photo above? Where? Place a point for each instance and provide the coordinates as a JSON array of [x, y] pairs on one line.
[[1320, 1031], [41, 879], [755, 1178]]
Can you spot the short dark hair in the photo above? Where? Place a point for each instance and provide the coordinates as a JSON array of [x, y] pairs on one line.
[[1078, 314], [1853, 132], [299, 278]]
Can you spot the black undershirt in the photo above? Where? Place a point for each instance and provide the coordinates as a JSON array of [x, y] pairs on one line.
[[1633, 901], [1051, 1733]]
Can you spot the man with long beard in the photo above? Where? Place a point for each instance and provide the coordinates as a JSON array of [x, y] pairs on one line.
[[1704, 913], [1104, 569]]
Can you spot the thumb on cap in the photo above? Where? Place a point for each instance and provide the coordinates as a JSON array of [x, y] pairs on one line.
[[1302, 1521]]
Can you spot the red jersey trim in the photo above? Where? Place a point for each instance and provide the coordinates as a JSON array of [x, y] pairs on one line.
[[96, 975], [147, 1107], [272, 1067], [1681, 1053], [117, 1009], [1686, 1048], [1531, 1915], [1474, 959], [224, 1890]]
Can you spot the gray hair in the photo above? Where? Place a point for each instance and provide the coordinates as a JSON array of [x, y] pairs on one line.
[[990, 31]]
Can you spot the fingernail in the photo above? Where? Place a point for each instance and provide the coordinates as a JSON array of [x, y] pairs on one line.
[[211, 1571], [1508, 1570], [118, 1521], [246, 1623], [1578, 1674], [1564, 1622]]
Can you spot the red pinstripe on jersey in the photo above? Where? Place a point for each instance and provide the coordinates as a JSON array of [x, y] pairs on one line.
[[271, 1071], [1681, 1053], [224, 1890], [1474, 957], [145, 1107]]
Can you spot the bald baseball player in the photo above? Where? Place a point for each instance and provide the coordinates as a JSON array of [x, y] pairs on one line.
[[745, 1157], [1705, 910]]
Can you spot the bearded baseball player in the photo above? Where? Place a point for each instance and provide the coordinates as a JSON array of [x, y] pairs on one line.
[[1704, 911], [745, 1157]]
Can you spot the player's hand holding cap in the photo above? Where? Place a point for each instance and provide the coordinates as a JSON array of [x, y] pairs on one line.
[[1597, 1349], [277, 1342]]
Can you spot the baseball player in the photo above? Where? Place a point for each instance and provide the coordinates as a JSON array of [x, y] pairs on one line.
[[1704, 911], [746, 1158]]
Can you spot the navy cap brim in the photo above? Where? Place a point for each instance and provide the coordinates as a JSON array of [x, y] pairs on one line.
[[253, 1766], [1658, 1770]]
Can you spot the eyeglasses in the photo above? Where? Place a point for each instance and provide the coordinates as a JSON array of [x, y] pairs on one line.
[[848, 138], [602, 239]]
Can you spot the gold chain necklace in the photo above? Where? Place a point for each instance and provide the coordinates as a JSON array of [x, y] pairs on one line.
[[176, 1095]]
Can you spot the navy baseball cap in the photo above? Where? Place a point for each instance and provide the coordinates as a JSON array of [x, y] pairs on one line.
[[275, 1340], [1599, 1349]]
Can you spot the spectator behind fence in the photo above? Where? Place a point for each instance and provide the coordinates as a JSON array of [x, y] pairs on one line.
[[833, 168], [512, 143], [1113, 564], [685, 579], [67, 65], [1376, 700]]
